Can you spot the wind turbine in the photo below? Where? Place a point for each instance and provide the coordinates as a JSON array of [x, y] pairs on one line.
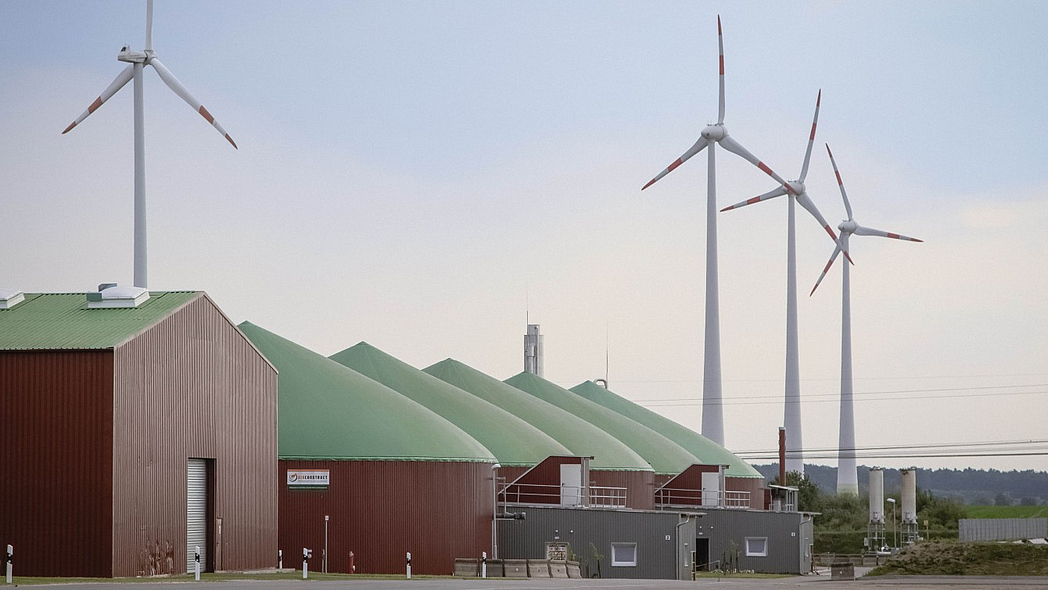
[[797, 192], [138, 60], [847, 475], [712, 405]]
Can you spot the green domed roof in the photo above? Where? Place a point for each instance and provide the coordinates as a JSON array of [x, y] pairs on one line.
[[700, 446], [513, 441], [664, 455], [329, 412], [579, 436]]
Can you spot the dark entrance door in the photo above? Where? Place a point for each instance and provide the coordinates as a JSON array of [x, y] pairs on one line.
[[702, 555]]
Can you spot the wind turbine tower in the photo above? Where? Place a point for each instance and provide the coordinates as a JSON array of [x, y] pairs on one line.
[[797, 193], [137, 61], [712, 400], [847, 475]]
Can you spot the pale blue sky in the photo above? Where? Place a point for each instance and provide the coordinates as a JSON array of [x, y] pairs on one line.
[[409, 171]]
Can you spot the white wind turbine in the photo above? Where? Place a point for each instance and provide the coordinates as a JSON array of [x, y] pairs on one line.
[[712, 405], [796, 191], [847, 475], [138, 60]]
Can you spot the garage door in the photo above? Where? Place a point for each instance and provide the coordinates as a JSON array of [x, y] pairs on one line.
[[196, 513]]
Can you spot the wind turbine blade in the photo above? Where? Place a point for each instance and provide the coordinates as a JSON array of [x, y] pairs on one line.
[[809, 206], [179, 89], [720, 45], [701, 143], [840, 183], [836, 251], [735, 147], [778, 192], [149, 25], [122, 78], [811, 138], [867, 231]]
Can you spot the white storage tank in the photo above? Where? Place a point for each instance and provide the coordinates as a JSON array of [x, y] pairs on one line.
[[909, 495], [876, 495]]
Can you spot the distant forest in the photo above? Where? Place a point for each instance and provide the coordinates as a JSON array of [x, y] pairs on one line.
[[972, 486]]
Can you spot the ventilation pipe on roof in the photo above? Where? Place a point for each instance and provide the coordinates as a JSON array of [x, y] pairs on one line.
[[10, 298], [111, 295]]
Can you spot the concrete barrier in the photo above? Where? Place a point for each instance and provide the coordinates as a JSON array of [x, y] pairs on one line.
[[538, 568], [842, 571], [558, 569], [573, 570], [468, 567], [515, 568]]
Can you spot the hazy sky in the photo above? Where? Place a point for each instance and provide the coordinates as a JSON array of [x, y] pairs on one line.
[[420, 175]]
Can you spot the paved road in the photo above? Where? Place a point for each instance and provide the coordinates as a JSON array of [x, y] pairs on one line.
[[810, 582]]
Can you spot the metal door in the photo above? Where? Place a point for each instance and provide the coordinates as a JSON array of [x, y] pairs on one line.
[[570, 484], [196, 513]]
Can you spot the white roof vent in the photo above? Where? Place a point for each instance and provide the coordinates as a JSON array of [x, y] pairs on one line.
[[111, 295], [10, 298]]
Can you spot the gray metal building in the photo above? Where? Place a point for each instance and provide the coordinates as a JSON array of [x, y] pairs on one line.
[[762, 541], [641, 544]]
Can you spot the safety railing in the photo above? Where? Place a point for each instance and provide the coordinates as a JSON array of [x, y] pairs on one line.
[[529, 493], [666, 497]]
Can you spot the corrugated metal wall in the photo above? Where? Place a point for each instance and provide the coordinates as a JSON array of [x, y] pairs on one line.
[[192, 386], [55, 458], [590, 533], [789, 537], [382, 509], [754, 485], [640, 486], [1002, 529]]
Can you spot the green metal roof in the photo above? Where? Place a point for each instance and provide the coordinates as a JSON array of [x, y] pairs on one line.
[[664, 455], [700, 446], [62, 321], [329, 412], [580, 437], [513, 441]]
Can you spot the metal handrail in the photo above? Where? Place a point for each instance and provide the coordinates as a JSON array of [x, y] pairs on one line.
[[531, 493], [709, 498]]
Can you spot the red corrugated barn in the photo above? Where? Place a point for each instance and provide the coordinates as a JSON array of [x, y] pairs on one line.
[[133, 427]]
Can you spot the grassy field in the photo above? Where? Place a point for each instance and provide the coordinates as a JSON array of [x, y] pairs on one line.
[[1006, 511]]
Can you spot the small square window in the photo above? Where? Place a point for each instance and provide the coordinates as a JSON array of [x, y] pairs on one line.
[[624, 554], [756, 546]]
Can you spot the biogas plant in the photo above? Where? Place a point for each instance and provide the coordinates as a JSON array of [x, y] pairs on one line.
[[145, 433]]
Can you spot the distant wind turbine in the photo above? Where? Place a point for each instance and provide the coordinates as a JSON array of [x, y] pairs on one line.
[[797, 192], [847, 471], [712, 405], [138, 60]]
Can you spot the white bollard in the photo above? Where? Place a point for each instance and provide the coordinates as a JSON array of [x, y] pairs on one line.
[[306, 554], [10, 562], [483, 564], [280, 559], [196, 564], [409, 565]]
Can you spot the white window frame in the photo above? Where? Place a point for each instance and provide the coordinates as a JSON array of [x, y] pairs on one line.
[[750, 552], [614, 557]]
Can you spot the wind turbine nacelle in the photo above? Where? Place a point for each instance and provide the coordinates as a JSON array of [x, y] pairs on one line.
[[714, 133], [130, 56], [848, 226]]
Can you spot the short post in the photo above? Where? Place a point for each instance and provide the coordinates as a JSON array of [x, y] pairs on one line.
[[306, 554], [326, 518], [280, 559], [10, 562], [483, 564], [409, 565], [196, 564], [352, 563]]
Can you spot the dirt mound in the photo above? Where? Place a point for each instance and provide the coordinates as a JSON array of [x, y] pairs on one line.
[[940, 558]]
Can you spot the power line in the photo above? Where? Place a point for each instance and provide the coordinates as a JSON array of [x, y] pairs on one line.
[[833, 397]]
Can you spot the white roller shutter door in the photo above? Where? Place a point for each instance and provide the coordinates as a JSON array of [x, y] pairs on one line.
[[196, 513]]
